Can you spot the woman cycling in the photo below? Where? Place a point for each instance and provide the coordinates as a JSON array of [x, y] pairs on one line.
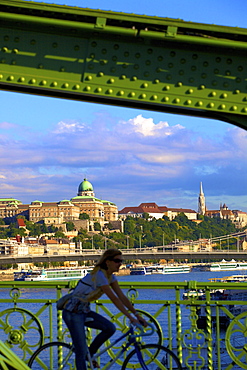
[[101, 280]]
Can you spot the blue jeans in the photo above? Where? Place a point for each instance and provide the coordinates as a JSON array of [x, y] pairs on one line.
[[76, 325]]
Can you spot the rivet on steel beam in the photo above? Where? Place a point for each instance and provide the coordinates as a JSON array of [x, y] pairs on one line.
[[54, 45], [203, 75], [234, 108], [223, 96], [188, 102], [41, 66], [100, 74], [179, 84], [120, 93], [170, 65], [238, 79], [109, 91], [124, 65], [182, 61], [15, 51], [156, 81], [205, 64], [194, 56], [166, 99], [202, 87], [76, 47], [216, 71], [3, 60], [87, 88], [103, 51], [6, 38], [225, 84], [154, 97], [181, 72], [244, 110], [33, 42], [21, 79], [92, 55], [148, 62], [228, 73], [190, 91], [65, 85], [113, 69], [169, 77], [13, 62], [137, 55], [218, 59], [76, 87], [193, 68], [150, 51], [98, 90], [54, 84], [123, 77], [126, 53], [199, 104], [43, 82], [177, 100], [214, 83], [172, 53], [158, 70], [132, 94], [240, 68], [4, 49], [32, 81], [160, 58], [11, 78], [103, 62], [114, 58], [62, 69], [144, 85], [116, 46], [236, 91], [133, 78], [222, 106], [94, 44], [146, 74], [229, 61], [143, 96], [213, 94], [136, 66], [88, 78], [210, 105], [1, 77], [166, 87]]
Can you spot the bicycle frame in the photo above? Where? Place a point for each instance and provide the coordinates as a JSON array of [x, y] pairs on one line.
[[131, 340]]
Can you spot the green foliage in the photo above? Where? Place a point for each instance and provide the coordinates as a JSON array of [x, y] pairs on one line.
[[70, 226], [97, 226], [84, 216]]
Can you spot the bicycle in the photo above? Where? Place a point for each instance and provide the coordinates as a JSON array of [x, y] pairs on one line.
[[60, 355]]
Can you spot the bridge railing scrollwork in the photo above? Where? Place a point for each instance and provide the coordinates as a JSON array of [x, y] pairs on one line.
[[204, 323]]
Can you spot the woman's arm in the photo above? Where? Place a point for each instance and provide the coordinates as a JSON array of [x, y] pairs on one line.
[[115, 286], [117, 302]]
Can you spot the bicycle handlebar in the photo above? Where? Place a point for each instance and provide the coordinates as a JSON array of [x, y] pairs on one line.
[[142, 332]]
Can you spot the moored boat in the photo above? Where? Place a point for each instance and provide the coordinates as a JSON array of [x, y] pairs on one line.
[[51, 274], [228, 266], [171, 269], [140, 270]]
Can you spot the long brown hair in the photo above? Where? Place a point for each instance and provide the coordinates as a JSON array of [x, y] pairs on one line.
[[107, 255]]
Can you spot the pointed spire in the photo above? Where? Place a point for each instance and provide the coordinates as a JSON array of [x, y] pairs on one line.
[[201, 190]]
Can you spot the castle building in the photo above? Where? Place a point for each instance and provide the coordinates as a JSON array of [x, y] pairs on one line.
[[63, 211]]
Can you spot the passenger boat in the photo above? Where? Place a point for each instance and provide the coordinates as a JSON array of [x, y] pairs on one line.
[[170, 269], [228, 265], [141, 270], [51, 274]]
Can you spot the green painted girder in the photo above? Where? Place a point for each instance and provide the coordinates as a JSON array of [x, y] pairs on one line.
[[124, 59]]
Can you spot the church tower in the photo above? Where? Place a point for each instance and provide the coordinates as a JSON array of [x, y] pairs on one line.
[[201, 202]]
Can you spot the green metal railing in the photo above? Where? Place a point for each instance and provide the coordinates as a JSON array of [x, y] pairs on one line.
[[207, 328]]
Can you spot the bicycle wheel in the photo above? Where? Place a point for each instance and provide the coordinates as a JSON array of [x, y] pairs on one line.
[[155, 357], [53, 356]]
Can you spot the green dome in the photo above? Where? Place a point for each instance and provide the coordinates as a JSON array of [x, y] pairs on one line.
[[85, 186]]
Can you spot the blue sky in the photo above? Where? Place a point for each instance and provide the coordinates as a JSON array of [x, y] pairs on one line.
[[47, 146]]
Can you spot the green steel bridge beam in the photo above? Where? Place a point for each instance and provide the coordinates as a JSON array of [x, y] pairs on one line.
[[129, 60]]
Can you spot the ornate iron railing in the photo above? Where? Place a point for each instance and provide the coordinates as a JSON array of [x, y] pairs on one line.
[[206, 327]]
